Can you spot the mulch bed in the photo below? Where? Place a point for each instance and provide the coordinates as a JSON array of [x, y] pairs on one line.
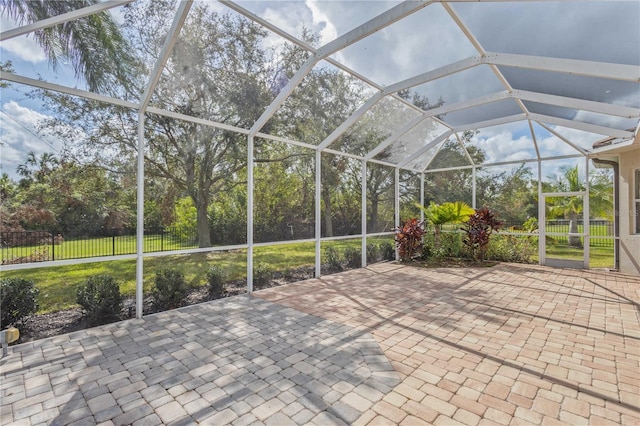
[[52, 324]]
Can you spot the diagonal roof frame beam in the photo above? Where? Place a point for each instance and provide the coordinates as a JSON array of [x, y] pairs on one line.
[[311, 49], [606, 70], [136, 106], [426, 148], [562, 138], [373, 25], [283, 95], [435, 74], [534, 138], [581, 125], [464, 148], [4, 75], [169, 42], [268, 25], [581, 104], [469, 103], [435, 154], [474, 41], [355, 116], [397, 135], [60, 19], [444, 71], [490, 123]]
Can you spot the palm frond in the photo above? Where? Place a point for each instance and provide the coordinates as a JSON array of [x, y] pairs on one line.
[[94, 45]]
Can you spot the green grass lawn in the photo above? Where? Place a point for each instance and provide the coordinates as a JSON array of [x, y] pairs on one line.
[[599, 257], [58, 284]]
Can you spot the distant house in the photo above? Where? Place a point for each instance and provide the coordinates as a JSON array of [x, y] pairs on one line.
[[624, 157]]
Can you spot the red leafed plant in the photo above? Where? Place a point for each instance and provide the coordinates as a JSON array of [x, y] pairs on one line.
[[478, 229], [409, 239]]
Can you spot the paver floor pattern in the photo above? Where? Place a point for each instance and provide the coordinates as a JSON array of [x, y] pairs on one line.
[[511, 344], [236, 360]]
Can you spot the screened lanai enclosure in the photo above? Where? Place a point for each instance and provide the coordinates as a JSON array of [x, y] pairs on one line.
[[276, 130]]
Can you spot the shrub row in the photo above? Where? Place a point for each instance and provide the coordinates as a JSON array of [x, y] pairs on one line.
[[503, 248], [101, 300]]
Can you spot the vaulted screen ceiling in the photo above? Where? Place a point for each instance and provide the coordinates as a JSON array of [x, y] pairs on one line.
[[566, 72]]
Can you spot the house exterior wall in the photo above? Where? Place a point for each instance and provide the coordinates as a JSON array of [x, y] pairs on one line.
[[629, 240]]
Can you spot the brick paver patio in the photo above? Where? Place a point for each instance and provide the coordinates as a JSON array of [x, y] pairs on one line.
[[389, 344], [512, 344]]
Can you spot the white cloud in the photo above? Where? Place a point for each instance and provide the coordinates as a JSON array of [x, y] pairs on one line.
[[284, 21], [503, 146], [579, 138], [320, 20], [19, 135], [289, 20], [423, 41], [23, 47], [551, 146]]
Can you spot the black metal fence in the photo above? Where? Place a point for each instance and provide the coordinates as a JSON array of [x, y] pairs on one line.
[[42, 246], [601, 231]]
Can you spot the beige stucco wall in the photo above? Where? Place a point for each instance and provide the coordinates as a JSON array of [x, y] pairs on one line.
[[629, 241]]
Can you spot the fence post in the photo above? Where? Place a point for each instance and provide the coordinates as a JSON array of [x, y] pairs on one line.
[[53, 246]]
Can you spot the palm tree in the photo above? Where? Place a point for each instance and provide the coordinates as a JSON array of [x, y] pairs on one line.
[[94, 44], [38, 167], [25, 169], [600, 198], [441, 214]]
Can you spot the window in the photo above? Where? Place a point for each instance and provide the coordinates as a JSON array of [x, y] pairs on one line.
[[636, 196]]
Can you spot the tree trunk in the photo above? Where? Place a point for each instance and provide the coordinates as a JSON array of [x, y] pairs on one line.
[[328, 223], [574, 241], [204, 237], [372, 222]]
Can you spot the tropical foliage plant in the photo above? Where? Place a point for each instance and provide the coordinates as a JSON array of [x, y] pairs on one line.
[[408, 239], [442, 214], [478, 229]]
